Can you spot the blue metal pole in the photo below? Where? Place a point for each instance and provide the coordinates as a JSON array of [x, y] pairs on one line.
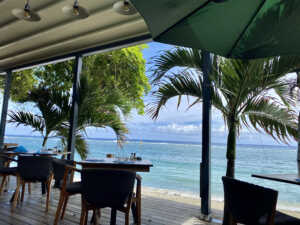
[[205, 166], [5, 107], [74, 112], [298, 152]]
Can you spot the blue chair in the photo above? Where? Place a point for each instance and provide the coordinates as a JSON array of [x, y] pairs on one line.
[[20, 149]]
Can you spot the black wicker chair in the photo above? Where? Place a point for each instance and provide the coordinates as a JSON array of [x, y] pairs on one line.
[[33, 169], [6, 171], [63, 175], [106, 188], [253, 205]]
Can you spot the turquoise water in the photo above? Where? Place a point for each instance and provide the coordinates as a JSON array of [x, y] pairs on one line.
[[176, 166]]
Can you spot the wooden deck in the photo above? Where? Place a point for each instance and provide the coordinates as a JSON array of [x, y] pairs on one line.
[[155, 211]]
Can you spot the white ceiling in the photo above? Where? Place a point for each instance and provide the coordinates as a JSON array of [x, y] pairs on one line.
[[23, 43]]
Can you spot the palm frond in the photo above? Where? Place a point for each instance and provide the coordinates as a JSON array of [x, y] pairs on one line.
[[169, 59], [185, 84], [111, 120], [53, 105], [80, 143], [284, 93], [283, 65], [27, 119], [277, 121]]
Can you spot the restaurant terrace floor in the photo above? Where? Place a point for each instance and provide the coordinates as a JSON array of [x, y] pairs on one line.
[[156, 209]]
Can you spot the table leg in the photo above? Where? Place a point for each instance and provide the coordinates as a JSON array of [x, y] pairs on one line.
[[113, 216]]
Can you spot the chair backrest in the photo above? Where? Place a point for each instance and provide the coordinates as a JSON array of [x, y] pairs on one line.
[[107, 188], [34, 168], [249, 203], [59, 166]]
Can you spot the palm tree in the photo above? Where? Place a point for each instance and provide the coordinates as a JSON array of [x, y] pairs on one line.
[[96, 108], [50, 117], [240, 89], [54, 112], [99, 108]]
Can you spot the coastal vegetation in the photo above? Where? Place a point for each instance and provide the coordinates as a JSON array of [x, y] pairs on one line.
[[111, 86], [248, 93]]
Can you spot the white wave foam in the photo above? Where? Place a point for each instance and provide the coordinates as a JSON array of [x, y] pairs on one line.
[[284, 206]]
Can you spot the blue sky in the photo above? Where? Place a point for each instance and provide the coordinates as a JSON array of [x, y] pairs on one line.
[[172, 124]]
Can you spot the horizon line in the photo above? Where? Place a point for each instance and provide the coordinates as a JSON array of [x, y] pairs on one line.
[[152, 140]]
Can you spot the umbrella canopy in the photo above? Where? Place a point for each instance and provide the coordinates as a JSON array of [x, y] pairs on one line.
[[230, 28]]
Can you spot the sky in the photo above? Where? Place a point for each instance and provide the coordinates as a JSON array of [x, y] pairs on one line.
[[173, 124]]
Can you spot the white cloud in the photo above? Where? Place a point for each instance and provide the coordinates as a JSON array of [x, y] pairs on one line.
[[177, 128]]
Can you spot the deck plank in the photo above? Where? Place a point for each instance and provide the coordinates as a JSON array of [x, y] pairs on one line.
[[155, 211]]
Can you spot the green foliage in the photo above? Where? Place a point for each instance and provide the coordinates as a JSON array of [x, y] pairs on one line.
[[57, 76], [22, 82], [122, 74], [252, 93]]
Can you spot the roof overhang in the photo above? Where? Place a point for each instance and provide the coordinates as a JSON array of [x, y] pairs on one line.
[[57, 37]]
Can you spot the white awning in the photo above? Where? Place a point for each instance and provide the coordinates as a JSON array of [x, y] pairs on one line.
[[57, 35]]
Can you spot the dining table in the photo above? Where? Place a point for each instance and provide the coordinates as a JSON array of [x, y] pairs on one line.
[[11, 153], [10, 145], [284, 178], [118, 164]]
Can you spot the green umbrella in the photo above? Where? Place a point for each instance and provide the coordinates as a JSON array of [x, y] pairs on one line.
[[230, 28]]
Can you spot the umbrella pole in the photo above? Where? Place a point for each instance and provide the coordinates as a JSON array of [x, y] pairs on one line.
[[205, 165]]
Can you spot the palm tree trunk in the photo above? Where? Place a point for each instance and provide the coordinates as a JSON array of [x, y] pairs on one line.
[[45, 141], [231, 148]]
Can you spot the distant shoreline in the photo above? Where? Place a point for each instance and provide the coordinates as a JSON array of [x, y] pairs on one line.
[[160, 141]]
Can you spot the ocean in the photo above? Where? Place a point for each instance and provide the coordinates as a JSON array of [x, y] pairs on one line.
[[176, 165]]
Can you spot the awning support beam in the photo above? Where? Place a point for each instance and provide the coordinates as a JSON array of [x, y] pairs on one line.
[[86, 52], [205, 166], [74, 112], [8, 79]]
